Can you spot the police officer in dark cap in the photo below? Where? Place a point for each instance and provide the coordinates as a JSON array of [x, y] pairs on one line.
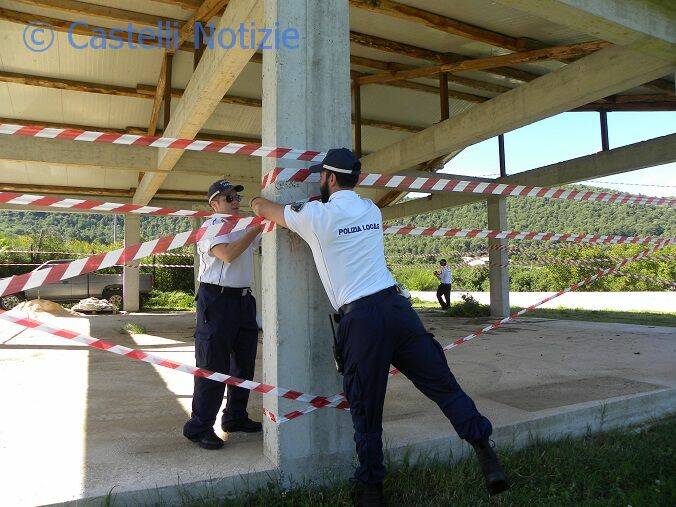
[[377, 326], [226, 333]]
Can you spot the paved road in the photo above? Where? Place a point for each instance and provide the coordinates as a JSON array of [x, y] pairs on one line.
[[621, 301]]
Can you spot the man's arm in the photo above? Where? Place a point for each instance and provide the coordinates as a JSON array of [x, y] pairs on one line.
[[228, 252], [269, 210]]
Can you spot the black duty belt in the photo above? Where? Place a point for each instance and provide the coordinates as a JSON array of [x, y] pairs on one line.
[[227, 291], [367, 300]]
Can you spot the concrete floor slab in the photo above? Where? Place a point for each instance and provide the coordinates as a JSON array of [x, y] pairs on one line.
[[78, 422]]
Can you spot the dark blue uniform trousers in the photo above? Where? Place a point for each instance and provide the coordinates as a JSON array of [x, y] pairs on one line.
[[387, 332], [226, 339]]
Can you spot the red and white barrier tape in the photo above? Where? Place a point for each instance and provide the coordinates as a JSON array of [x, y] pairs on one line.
[[316, 402], [536, 236], [95, 205], [341, 402], [429, 184], [58, 272], [91, 136], [301, 175], [140, 355]]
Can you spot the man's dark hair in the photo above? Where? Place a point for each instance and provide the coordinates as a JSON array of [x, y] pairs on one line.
[[442, 262], [346, 180]]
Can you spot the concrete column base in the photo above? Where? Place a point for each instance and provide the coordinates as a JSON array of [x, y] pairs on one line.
[[498, 259], [131, 282]]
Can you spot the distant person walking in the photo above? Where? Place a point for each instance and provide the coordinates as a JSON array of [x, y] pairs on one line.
[[444, 289]]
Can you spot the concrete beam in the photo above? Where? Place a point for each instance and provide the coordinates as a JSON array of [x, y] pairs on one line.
[[658, 151], [70, 153], [217, 70], [642, 25], [98, 156], [608, 71]]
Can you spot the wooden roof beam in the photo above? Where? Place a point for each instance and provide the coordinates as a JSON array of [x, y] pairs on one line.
[[658, 151], [148, 92], [443, 23], [399, 48], [459, 80], [100, 11], [598, 75], [644, 26], [553, 53]]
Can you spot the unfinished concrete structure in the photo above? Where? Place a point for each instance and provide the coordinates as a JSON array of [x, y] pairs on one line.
[[421, 80]]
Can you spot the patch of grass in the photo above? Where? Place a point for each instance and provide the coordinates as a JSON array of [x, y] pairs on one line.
[[132, 328], [468, 307], [421, 304], [170, 301], [622, 467], [612, 316]]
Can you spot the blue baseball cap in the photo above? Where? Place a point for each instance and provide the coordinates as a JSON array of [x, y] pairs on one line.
[[338, 160], [222, 186]]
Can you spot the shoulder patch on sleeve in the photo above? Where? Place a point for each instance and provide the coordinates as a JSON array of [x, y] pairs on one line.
[[297, 206]]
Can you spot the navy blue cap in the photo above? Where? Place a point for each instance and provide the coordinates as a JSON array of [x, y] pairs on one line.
[[338, 160], [222, 186]]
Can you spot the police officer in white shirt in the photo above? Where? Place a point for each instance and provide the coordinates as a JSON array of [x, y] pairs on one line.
[[377, 326], [444, 289], [226, 333]]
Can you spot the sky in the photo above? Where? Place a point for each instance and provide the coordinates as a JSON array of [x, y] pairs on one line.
[[571, 135]]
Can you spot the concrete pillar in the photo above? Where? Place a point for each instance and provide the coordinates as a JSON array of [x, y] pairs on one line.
[[499, 276], [306, 103], [130, 274]]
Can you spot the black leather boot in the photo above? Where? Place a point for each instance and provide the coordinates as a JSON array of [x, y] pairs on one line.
[[496, 479], [244, 425], [369, 495], [207, 440]]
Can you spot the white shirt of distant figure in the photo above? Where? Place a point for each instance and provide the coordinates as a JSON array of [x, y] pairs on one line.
[[227, 260], [446, 276]]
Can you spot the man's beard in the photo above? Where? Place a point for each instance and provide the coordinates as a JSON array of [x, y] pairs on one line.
[[324, 191]]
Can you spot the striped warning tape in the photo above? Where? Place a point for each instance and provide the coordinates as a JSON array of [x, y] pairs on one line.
[[58, 272], [316, 402], [139, 355], [340, 401], [91, 136], [95, 205], [535, 236], [48, 252], [424, 184], [431, 184]]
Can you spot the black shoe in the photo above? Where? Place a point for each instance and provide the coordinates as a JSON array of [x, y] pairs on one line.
[[496, 479], [366, 495], [245, 425], [207, 440]]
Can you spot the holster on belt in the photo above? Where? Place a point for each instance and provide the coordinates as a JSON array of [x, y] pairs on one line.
[[337, 351]]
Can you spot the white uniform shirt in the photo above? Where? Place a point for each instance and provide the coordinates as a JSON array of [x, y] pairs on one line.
[[238, 273], [346, 239], [446, 276]]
